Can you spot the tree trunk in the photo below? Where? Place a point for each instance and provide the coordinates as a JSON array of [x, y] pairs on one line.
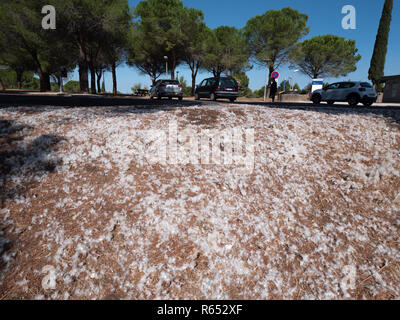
[[193, 83], [98, 82], [217, 72], [83, 77], [195, 69], [83, 72], [92, 79], [19, 78], [114, 77], [271, 69], [44, 81], [173, 65]]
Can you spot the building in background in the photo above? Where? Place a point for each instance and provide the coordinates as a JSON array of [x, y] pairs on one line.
[[391, 93]]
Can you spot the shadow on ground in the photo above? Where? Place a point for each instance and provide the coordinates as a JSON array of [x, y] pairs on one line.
[[74, 101], [21, 162]]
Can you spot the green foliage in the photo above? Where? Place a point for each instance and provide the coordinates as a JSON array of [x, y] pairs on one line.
[[327, 56], [306, 89], [271, 35], [9, 79], [29, 46], [98, 32], [72, 87], [243, 81], [187, 90], [377, 67], [145, 54], [296, 87], [259, 93], [284, 86], [159, 25], [166, 28], [195, 35], [29, 82], [226, 51]]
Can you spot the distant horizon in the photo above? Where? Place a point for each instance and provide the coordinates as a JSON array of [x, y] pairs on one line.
[[237, 13]]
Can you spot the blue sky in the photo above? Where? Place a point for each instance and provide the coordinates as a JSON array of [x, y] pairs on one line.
[[324, 17]]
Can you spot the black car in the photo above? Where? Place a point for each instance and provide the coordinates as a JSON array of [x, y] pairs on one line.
[[214, 88]]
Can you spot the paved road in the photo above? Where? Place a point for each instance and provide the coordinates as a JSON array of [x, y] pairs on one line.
[[73, 101], [12, 99]]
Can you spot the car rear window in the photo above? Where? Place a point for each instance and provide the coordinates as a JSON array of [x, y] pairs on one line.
[[366, 85], [175, 82], [227, 83]]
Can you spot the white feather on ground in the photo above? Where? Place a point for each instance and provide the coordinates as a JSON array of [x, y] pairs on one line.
[[78, 196]]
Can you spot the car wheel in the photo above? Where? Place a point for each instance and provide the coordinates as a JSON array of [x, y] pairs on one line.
[[180, 98], [330, 102], [316, 98], [213, 97], [232, 99], [353, 100]]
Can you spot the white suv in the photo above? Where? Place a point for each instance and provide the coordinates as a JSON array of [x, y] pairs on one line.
[[351, 92]]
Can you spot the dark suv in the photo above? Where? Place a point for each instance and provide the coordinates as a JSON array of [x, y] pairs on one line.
[[214, 88]]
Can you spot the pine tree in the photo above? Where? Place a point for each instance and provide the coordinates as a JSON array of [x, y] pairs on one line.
[[376, 70]]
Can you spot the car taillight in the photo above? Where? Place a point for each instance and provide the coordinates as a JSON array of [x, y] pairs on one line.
[[180, 86], [361, 89], [218, 89], [162, 85]]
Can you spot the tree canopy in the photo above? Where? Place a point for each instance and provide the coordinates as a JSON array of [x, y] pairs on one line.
[[30, 46], [272, 35], [325, 56], [98, 35], [226, 51], [377, 67], [98, 30], [161, 22]]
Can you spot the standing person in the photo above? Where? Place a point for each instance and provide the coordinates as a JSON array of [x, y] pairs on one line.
[[273, 90]]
